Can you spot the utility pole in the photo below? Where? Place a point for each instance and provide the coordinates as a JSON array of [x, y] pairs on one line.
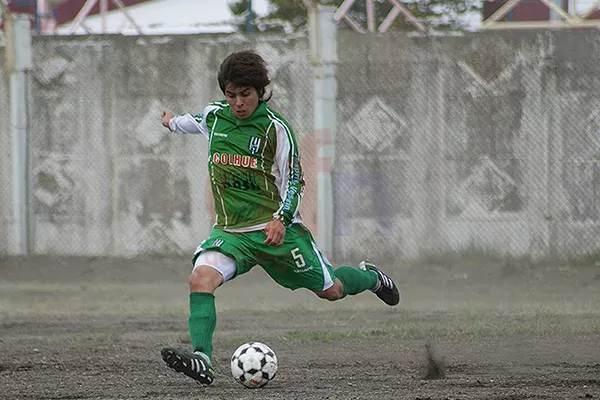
[[323, 45], [554, 16], [18, 65], [250, 18]]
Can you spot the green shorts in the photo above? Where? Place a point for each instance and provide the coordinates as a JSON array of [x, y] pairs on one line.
[[297, 263]]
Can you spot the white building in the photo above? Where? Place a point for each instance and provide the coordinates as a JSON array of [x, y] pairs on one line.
[[159, 17]]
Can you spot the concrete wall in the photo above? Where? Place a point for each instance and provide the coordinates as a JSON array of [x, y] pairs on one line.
[[487, 142], [484, 141], [107, 178]]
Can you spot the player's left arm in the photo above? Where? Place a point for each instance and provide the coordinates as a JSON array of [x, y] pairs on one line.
[[287, 158]]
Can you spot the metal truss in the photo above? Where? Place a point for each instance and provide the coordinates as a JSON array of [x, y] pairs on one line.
[[342, 14], [4, 10], [89, 5]]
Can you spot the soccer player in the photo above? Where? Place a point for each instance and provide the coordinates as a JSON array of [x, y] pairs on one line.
[[257, 184]]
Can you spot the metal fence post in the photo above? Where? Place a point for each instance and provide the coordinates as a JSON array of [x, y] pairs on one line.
[[323, 45], [19, 61]]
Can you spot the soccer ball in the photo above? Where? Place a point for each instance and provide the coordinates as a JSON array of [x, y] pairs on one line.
[[254, 364]]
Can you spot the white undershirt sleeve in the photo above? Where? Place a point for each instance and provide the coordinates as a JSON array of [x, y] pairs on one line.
[[188, 124]]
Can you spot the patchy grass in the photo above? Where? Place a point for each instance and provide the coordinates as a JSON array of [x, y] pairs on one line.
[[412, 326], [28, 299], [469, 326], [328, 336], [469, 300]]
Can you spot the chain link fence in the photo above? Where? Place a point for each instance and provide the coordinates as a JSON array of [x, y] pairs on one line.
[[105, 177], [485, 142]]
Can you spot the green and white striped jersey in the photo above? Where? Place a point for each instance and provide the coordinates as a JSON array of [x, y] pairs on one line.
[[253, 163]]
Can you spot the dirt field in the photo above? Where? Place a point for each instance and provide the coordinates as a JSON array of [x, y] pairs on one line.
[[93, 329]]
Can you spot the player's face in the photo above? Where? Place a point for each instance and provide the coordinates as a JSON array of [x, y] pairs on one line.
[[243, 100]]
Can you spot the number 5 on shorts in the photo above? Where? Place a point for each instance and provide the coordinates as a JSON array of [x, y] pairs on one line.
[[298, 257]]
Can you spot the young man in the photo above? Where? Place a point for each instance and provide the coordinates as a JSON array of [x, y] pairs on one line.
[[257, 185]]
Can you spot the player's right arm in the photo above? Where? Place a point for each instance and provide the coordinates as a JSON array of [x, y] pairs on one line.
[[186, 123]]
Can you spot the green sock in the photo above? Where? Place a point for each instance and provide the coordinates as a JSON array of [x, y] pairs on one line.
[[202, 321], [355, 280]]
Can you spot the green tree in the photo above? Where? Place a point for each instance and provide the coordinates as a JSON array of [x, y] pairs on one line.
[[291, 15]]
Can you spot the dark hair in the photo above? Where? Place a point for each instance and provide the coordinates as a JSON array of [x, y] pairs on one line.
[[245, 68]]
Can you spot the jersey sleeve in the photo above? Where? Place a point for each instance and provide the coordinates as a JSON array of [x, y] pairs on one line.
[[292, 182], [188, 123]]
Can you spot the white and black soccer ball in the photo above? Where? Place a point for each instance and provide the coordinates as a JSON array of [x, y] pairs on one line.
[[254, 364]]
